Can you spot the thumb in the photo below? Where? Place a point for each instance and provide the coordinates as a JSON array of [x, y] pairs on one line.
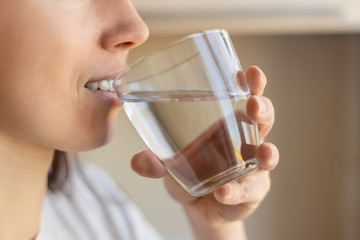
[[146, 164]]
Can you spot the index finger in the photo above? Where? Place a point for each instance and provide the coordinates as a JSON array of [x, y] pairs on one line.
[[256, 80]]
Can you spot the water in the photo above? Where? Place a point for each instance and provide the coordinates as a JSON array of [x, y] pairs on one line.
[[203, 139]]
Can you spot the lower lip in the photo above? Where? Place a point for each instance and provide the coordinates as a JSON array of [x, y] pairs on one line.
[[106, 96]]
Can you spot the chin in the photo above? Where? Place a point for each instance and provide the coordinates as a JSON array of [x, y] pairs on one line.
[[88, 144], [97, 140], [88, 140], [89, 134]]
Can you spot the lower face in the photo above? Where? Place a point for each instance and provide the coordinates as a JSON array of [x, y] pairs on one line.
[[50, 52]]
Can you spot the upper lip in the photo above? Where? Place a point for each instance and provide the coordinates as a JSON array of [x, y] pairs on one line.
[[109, 76]]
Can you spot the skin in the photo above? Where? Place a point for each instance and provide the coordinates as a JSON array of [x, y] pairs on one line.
[[220, 215], [49, 50]]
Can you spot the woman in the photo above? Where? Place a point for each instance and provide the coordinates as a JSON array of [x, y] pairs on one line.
[[49, 52]]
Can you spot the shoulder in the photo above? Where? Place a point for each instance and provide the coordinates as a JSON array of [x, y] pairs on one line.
[[93, 205]]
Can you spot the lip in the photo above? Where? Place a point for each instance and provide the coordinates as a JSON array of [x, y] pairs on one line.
[[109, 98], [111, 76]]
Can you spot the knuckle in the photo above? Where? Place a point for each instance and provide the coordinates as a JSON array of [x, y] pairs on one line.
[[243, 192]]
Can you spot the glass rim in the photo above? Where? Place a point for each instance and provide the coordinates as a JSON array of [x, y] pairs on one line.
[[166, 46]]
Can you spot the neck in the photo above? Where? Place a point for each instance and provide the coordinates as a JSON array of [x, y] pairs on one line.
[[23, 182]]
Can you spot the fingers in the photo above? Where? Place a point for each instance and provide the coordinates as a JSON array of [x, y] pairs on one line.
[[268, 156], [248, 190], [256, 80], [253, 187], [146, 164], [261, 110], [176, 191]]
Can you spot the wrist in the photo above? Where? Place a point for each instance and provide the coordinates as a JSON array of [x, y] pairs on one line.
[[216, 230], [230, 231]]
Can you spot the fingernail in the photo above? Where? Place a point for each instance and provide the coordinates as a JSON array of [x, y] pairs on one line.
[[262, 107]]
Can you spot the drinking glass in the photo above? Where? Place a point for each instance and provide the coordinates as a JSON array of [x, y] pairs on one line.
[[187, 100]]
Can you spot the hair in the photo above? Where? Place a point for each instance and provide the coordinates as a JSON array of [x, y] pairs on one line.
[[59, 171]]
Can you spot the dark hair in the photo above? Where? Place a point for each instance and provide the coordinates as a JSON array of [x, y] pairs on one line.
[[59, 171]]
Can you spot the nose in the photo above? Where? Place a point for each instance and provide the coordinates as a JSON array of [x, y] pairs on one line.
[[123, 27]]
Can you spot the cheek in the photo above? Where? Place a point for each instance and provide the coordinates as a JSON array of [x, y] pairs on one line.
[[61, 125], [40, 97]]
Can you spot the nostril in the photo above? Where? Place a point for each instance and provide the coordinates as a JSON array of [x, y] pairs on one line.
[[109, 42], [125, 45]]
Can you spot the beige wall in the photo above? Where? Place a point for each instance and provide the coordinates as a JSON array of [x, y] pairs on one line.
[[314, 83]]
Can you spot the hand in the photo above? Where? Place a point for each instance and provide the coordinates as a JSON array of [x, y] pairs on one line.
[[227, 205]]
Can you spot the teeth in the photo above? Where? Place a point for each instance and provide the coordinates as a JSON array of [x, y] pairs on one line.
[[104, 85], [111, 86], [92, 85]]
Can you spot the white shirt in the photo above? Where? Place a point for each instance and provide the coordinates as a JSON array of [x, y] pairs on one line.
[[91, 206]]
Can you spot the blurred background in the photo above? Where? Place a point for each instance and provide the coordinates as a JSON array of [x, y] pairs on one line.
[[310, 52]]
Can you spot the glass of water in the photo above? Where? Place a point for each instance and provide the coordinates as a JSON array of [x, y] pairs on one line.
[[187, 100]]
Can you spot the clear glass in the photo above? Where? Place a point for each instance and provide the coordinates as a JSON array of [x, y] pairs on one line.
[[187, 100]]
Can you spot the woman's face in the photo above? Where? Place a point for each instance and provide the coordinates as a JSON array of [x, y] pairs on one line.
[[49, 50]]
